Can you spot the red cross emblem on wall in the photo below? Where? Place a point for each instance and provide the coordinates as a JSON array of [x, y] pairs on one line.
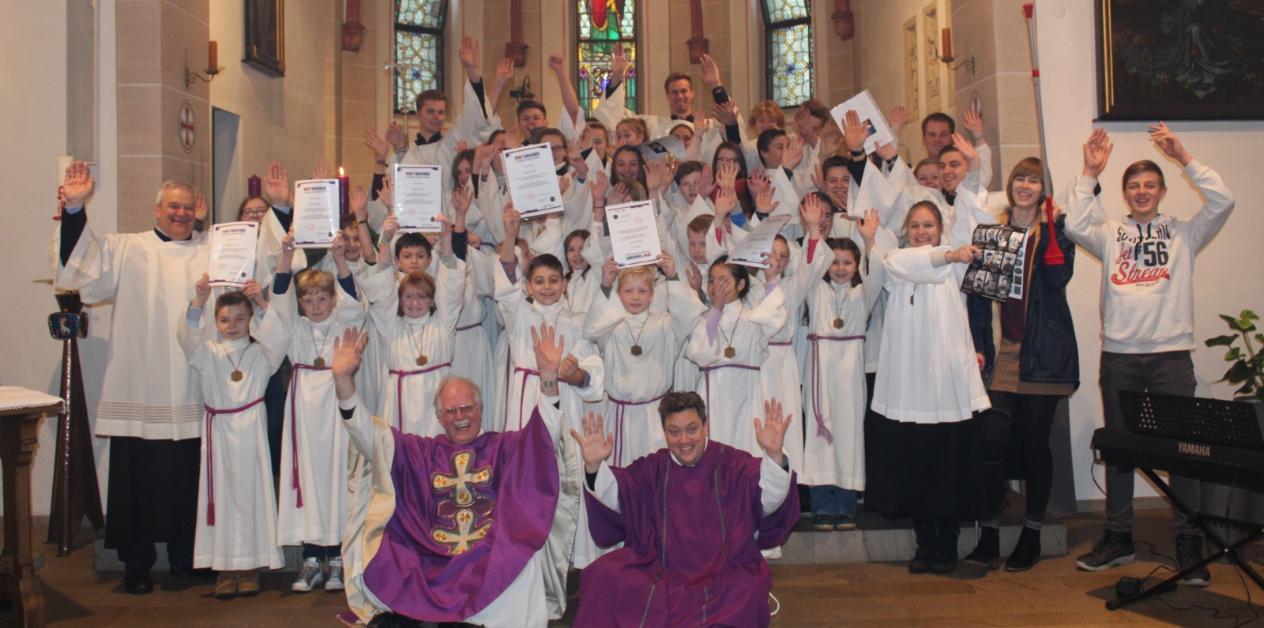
[[188, 132]]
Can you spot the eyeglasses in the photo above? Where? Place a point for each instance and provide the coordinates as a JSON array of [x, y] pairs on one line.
[[465, 410], [254, 212]]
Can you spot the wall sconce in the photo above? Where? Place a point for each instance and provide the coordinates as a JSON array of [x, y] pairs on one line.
[[212, 66], [948, 58]]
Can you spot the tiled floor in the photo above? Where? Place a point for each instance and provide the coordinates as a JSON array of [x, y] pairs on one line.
[[876, 594]]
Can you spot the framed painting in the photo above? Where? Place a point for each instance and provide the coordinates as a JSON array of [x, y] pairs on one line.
[[265, 35], [1180, 60]]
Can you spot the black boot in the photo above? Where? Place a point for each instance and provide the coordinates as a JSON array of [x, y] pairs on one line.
[[924, 531], [988, 549], [945, 557], [1026, 552]]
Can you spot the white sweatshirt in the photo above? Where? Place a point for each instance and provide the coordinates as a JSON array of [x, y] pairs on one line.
[[1148, 269]]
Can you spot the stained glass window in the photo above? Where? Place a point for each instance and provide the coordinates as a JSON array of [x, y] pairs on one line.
[[788, 49], [418, 50], [603, 24]]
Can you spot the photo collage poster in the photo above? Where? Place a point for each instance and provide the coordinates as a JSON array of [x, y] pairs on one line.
[[997, 273]]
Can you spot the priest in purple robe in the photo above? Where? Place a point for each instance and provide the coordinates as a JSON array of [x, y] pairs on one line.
[[450, 528], [692, 517]]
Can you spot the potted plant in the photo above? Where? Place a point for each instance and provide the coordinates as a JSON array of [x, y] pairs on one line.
[[1247, 361]]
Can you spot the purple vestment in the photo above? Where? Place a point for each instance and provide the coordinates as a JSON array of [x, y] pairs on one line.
[[450, 548], [692, 561]]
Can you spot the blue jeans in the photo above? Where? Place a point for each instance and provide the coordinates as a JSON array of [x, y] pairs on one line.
[[832, 500]]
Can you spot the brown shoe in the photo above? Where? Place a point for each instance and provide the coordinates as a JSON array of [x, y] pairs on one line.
[[226, 585], [249, 584]]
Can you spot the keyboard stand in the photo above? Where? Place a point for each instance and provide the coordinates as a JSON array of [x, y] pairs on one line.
[[1221, 548]]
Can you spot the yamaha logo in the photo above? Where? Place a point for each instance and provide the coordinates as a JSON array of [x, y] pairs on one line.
[[1194, 449]]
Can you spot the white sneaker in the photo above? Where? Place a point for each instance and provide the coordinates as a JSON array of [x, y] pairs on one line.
[[309, 577], [334, 583]]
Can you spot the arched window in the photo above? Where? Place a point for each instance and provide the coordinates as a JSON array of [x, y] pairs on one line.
[[788, 49], [603, 24], [418, 49]]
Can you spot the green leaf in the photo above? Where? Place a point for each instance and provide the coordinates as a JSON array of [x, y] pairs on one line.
[[1233, 354], [1238, 373], [1245, 389], [1238, 324], [1223, 341], [1249, 315], [1259, 338]]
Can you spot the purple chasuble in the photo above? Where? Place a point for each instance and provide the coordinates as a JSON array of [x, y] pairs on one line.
[[467, 519], [693, 560]]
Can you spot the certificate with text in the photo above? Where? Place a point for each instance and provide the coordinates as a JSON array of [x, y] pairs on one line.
[[533, 182], [233, 246], [418, 197], [634, 233], [315, 213], [755, 249]]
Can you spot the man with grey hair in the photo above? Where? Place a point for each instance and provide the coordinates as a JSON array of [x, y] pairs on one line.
[[151, 406], [451, 528]]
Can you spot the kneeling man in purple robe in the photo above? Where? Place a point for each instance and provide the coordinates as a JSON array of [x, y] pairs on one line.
[[692, 517], [451, 528]]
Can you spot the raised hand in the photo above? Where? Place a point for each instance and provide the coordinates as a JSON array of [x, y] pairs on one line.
[[199, 209], [390, 227], [377, 144], [321, 170], [897, 117], [348, 348], [868, 226], [725, 112], [1169, 144], [725, 202], [764, 201], [854, 131], [694, 276], [726, 178], [619, 194], [387, 194], [202, 291], [887, 151], [667, 264], [512, 221], [595, 445], [609, 272], [470, 58], [831, 139], [461, 204], [504, 70], [657, 175], [276, 186], [759, 182], [793, 154], [967, 150], [1097, 153], [358, 202], [483, 154], [706, 182], [577, 161], [77, 185], [339, 246], [598, 186], [771, 432], [618, 65], [285, 260], [557, 63], [253, 292], [811, 211], [973, 122], [548, 348], [710, 72], [395, 137]]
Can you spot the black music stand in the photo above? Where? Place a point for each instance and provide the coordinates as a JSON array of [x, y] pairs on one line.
[[1197, 420]]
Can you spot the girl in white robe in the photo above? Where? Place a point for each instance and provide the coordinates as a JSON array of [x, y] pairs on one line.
[[729, 342], [313, 491], [924, 445], [834, 385], [639, 345], [236, 514]]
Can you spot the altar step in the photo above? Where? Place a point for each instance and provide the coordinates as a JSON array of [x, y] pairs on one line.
[[106, 560]]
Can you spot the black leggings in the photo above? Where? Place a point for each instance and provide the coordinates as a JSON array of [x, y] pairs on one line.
[[1027, 454]]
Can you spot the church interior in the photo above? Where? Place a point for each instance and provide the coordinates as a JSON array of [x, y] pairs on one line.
[[211, 91]]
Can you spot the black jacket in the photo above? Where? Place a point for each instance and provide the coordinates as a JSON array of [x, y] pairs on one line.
[[1049, 354]]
